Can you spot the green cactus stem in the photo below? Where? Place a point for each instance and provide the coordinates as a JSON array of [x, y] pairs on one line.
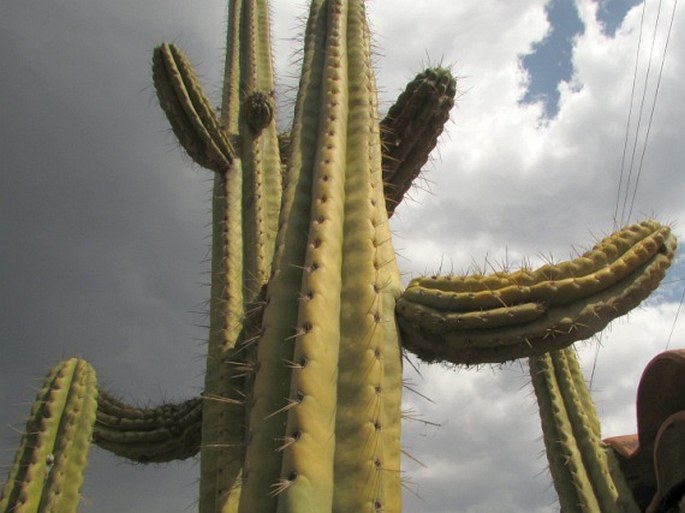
[[187, 108], [246, 201], [587, 476], [48, 468], [491, 319]]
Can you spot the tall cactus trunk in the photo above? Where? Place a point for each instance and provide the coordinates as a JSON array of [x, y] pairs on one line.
[[246, 202], [325, 411]]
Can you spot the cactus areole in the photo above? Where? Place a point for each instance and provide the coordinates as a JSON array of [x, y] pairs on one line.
[[300, 410]]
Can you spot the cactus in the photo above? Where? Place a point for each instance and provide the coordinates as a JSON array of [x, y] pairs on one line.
[[301, 402]]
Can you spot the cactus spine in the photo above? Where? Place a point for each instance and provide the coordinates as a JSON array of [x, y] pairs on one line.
[[301, 405]]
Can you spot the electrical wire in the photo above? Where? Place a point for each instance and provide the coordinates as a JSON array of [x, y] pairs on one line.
[[651, 114], [630, 114], [639, 119]]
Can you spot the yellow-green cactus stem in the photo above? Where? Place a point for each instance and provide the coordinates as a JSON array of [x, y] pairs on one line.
[[324, 423], [48, 469], [491, 319], [587, 475], [246, 202]]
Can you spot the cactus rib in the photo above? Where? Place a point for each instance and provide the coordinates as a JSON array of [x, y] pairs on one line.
[[479, 319], [48, 469]]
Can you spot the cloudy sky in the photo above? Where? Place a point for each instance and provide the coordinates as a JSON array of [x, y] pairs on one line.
[[105, 222]]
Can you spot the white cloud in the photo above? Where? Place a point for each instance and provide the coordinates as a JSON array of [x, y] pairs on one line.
[[507, 187]]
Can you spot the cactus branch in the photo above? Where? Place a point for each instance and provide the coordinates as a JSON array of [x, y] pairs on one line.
[[586, 474], [148, 435], [500, 317], [411, 129], [188, 110]]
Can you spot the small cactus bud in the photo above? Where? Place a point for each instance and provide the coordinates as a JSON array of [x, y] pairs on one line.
[[259, 111]]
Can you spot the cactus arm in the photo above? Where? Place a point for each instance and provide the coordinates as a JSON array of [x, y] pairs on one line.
[[48, 469], [188, 110], [586, 474], [148, 435], [410, 130], [481, 319]]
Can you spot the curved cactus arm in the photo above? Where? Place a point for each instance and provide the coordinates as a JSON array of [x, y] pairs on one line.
[[500, 317], [148, 435], [411, 129], [188, 109], [586, 473], [48, 468]]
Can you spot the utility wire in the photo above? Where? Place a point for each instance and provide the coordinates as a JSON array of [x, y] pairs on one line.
[[639, 119], [651, 114], [630, 114], [623, 218], [675, 320]]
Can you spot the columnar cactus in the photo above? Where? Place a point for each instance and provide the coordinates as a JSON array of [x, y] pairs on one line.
[[301, 404]]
